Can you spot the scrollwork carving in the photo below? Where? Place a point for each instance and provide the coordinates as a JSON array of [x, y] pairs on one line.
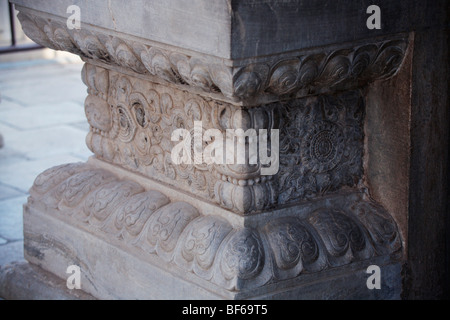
[[165, 226], [199, 243], [321, 145], [243, 256], [321, 140], [101, 202], [139, 93], [323, 235], [343, 237], [265, 78], [133, 216], [292, 244], [132, 119]]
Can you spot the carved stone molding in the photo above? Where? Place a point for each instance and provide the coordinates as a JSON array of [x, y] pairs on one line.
[[321, 236], [222, 228], [321, 140], [252, 82]]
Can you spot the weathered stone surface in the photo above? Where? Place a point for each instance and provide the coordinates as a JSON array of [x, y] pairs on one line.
[[426, 274], [244, 29], [119, 217], [311, 224], [197, 25], [252, 82], [388, 143], [24, 281], [321, 140]]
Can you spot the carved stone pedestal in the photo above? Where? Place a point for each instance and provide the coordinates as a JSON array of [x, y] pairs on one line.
[[135, 238], [141, 226]]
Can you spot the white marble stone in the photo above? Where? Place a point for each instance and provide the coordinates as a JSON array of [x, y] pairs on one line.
[[142, 227]]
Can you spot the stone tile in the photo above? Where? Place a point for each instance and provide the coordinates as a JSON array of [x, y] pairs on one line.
[[49, 141], [7, 192], [42, 82], [9, 156], [82, 125], [27, 83], [11, 252], [21, 175], [49, 89], [7, 130], [40, 116], [32, 71], [9, 104], [11, 220]]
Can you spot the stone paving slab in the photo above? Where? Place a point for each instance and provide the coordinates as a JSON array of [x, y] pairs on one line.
[[10, 156], [47, 142], [48, 90], [21, 175], [11, 222], [7, 104], [11, 252], [41, 116], [31, 72], [12, 74], [7, 192], [39, 84]]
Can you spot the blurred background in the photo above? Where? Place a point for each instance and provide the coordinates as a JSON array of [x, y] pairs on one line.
[[42, 121]]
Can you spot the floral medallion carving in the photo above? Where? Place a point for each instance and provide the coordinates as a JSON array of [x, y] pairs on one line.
[[321, 140], [323, 146]]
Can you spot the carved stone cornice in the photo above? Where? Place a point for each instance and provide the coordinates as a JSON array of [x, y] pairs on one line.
[[248, 82], [320, 236]]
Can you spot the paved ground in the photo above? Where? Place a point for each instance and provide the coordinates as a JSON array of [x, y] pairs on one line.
[[43, 124]]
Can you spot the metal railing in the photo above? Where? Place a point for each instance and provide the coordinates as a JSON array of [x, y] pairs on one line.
[[14, 46]]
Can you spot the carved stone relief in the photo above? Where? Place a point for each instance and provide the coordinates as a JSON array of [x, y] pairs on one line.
[[259, 81], [322, 236], [310, 216], [321, 140]]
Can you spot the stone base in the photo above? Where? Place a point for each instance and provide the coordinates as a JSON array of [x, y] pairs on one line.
[[109, 272], [24, 281], [132, 242]]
